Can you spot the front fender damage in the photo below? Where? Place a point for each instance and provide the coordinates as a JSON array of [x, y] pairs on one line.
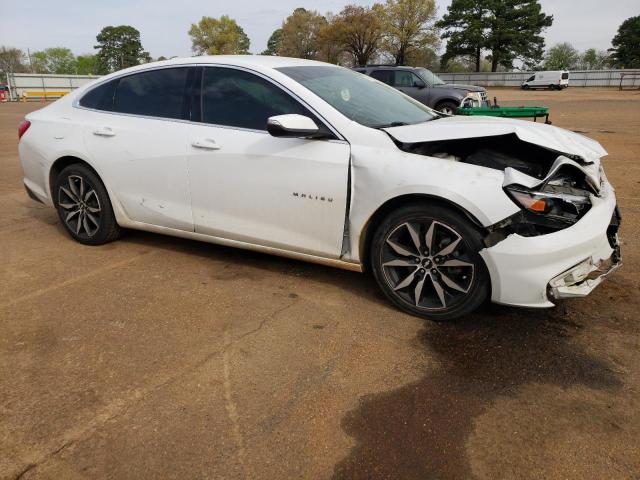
[[568, 182]]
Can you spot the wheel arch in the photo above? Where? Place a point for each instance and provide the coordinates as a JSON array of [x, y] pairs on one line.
[[440, 101], [383, 210], [60, 164]]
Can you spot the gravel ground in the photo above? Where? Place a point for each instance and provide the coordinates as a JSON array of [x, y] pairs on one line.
[[157, 357]]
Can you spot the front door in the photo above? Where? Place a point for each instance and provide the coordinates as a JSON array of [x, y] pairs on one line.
[[409, 83], [286, 193]]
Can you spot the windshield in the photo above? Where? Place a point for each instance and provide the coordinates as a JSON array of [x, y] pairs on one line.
[[430, 77], [360, 97]]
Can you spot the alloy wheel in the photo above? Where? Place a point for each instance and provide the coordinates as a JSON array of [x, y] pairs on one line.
[[427, 264], [81, 206]]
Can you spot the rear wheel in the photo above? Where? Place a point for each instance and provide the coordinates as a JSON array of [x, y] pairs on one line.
[[449, 108], [84, 207], [425, 259]]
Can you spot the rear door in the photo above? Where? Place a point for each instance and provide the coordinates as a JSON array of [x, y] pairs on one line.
[[286, 193], [136, 135]]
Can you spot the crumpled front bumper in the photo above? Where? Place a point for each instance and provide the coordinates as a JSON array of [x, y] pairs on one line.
[[580, 280], [534, 271]]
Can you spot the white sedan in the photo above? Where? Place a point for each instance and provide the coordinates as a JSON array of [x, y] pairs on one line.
[[316, 162]]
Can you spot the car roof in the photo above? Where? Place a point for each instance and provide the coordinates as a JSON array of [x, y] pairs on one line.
[[391, 67], [256, 62], [266, 61]]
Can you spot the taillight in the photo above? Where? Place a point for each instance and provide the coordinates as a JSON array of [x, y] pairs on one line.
[[23, 127]]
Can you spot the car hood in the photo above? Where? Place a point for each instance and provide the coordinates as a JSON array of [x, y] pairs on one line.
[[459, 86], [451, 128]]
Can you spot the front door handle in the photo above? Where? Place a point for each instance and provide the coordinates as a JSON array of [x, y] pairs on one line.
[[104, 132], [205, 143]]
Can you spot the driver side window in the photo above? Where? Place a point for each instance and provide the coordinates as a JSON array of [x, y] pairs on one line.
[[403, 78], [236, 98]]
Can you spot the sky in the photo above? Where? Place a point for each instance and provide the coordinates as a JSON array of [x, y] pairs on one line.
[[163, 25]]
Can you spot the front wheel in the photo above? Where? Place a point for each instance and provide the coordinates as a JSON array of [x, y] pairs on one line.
[[449, 108], [84, 207], [425, 259]]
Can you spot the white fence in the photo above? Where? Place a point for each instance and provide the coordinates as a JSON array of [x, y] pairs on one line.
[[33, 85], [37, 85], [577, 78]]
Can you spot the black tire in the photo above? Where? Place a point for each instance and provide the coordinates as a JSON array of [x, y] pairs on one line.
[[449, 108], [552, 87], [525, 87], [437, 300], [84, 207]]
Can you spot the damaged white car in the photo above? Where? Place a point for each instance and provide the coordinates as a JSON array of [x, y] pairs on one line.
[[320, 163]]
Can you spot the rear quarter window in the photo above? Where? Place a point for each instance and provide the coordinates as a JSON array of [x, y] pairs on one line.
[[385, 76], [100, 97]]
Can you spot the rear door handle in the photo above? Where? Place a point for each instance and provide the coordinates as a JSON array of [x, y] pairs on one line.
[[205, 143], [104, 132]]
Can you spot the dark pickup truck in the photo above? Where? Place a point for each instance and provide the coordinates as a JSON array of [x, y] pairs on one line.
[[426, 87]]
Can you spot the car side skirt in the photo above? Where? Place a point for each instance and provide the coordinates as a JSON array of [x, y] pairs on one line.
[[331, 262]]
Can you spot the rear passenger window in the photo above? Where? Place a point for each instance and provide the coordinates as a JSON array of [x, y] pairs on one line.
[[100, 97], [383, 75], [236, 98], [154, 93]]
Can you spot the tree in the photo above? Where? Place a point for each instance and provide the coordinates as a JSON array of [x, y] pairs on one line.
[[273, 42], [11, 60], [593, 59], [359, 30], [54, 60], [626, 44], [218, 36], [508, 29], [409, 26], [300, 35], [118, 48], [465, 23], [330, 47], [87, 64], [561, 56], [514, 32]]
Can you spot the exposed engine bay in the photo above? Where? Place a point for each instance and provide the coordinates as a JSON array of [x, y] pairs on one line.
[[553, 189]]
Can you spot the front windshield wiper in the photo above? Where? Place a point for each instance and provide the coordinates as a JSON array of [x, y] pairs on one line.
[[390, 124], [402, 124]]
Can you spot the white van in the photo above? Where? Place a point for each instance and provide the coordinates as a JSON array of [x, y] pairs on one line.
[[552, 80]]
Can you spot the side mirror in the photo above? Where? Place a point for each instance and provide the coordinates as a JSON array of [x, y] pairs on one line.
[[419, 83], [291, 125]]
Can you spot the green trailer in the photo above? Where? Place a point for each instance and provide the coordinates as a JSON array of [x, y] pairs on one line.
[[509, 112]]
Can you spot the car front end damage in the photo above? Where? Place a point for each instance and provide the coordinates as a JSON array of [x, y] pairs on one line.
[[564, 239], [537, 266]]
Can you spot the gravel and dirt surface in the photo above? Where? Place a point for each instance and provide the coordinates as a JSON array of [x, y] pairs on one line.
[[157, 357]]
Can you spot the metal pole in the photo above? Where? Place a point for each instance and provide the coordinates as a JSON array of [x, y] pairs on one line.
[[30, 62], [9, 86]]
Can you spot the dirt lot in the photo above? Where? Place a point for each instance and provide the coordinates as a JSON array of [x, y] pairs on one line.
[[155, 357]]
